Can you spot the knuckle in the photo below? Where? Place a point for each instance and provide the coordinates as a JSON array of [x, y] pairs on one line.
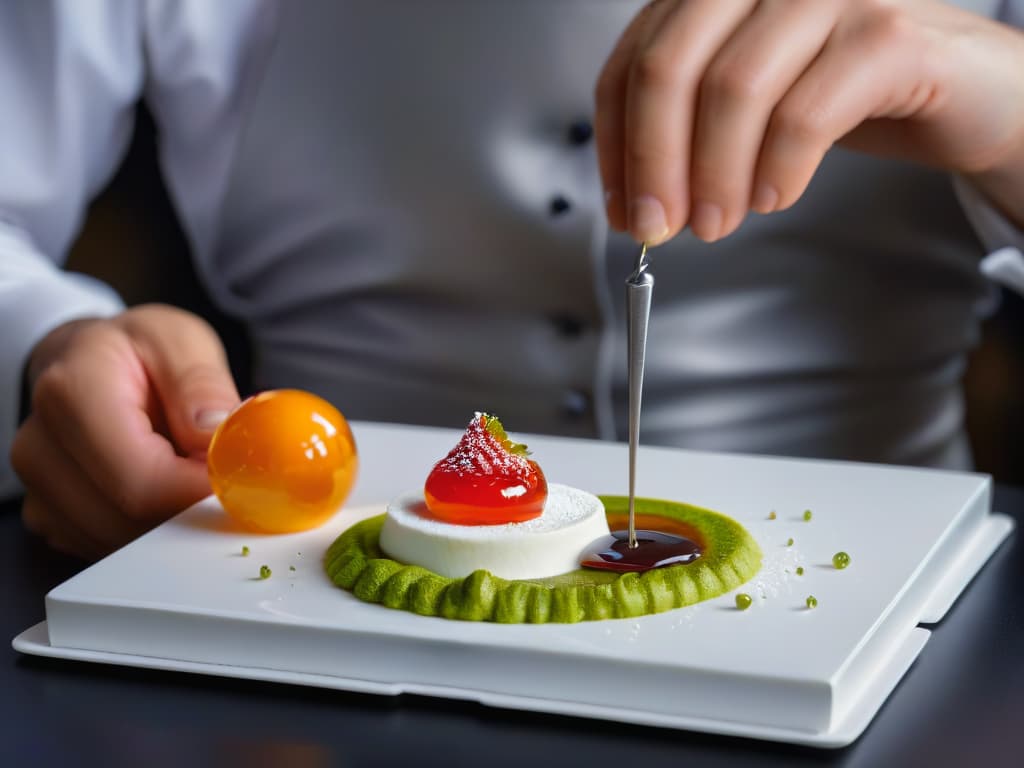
[[653, 70], [887, 24], [52, 388], [732, 82], [800, 125], [131, 499], [138, 320]]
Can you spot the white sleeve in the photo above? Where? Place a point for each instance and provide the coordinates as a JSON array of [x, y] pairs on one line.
[[205, 58], [993, 227], [35, 297], [70, 74]]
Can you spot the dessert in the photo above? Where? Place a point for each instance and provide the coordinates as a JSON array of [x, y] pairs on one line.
[[731, 557], [486, 506], [547, 545], [282, 461], [398, 560], [485, 479]]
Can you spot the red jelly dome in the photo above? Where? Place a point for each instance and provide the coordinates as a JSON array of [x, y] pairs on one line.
[[486, 479]]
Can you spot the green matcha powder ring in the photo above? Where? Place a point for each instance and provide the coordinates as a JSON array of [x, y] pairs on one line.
[[730, 558]]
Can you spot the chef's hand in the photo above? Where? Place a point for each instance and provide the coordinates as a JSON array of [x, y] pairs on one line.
[[122, 413], [709, 108]]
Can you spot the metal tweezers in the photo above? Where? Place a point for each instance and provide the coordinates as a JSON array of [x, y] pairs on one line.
[[639, 287]]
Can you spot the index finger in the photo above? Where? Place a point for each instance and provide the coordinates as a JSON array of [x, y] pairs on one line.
[[661, 104], [610, 109]]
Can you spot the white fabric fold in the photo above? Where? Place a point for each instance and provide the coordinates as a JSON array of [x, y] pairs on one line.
[[35, 298]]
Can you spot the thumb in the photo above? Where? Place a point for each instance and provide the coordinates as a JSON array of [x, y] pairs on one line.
[[187, 364]]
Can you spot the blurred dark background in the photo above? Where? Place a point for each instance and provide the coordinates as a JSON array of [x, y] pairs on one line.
[[132, 240]]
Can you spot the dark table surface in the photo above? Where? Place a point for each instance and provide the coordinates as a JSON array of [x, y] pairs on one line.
[[961, 704]]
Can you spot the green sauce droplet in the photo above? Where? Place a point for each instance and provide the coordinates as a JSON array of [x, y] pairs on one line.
[[265, 571], [812, 601], [799, 570], [807, 515], [245, 551], [840, 560], [789, 543], [743, 601], [772, 515]]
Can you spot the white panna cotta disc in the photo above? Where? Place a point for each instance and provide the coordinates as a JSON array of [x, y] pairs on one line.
[[545, 546]]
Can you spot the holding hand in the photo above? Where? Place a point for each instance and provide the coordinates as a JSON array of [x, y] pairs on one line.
[[707, 109], [122, 412]]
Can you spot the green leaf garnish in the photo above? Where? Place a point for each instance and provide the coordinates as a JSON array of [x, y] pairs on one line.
[[493, 425]]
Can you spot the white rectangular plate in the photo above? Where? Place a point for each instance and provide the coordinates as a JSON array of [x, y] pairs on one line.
[[183, 597]]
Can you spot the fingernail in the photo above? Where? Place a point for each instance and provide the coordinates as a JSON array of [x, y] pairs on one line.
[[647, 221], [765, 198], [210, 419], [706, 221]]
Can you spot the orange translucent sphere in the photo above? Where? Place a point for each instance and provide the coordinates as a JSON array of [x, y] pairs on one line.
[[282, 461]]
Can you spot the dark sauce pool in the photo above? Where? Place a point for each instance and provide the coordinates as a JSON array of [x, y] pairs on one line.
[[660, 542]]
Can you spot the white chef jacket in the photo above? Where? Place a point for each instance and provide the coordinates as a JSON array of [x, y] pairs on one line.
[[401, 201]]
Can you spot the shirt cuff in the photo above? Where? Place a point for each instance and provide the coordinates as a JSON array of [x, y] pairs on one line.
[[35, 298], [1002, 239]]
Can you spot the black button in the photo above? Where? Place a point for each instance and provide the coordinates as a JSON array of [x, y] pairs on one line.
[[568, 325], [559, 205], [580, 132], [575, 404]]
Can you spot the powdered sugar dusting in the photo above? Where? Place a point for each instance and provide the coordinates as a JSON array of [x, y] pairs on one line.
[[480, 452]]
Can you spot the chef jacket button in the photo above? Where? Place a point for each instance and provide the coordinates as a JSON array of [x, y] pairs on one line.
[[575, 404], [567, 325], [559, 205], [579, 133]]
